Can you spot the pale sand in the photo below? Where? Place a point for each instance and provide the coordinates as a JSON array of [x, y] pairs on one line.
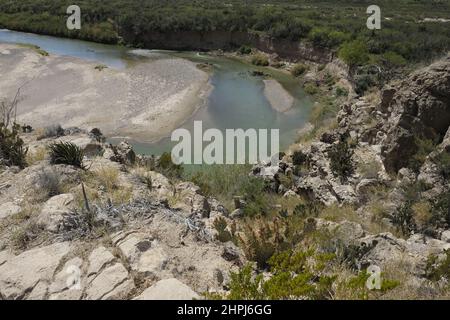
[[280, 99], [144, 102]]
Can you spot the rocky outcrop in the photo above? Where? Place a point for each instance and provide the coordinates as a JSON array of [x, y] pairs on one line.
[[225, 40]]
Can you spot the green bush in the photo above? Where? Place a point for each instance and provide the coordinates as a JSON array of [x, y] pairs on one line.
[[295, 275], [66, 153], [424, 147], [245, 50], [443, 163], [260, 60], [299, 158], [311, 89], [166, 166], [438, 269], [341, 92], [299, 69], [341, 159], [12, 150], [354, 53]]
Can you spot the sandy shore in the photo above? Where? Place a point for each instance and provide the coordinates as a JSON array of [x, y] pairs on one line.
[[144, 102], [279, 98]]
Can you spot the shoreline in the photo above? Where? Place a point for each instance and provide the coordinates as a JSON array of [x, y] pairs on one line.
[[143, 102]]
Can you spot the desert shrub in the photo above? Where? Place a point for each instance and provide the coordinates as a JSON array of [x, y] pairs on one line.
[[354, 53], [51, 132], [341, 159], [286, 181], [108, 177], [311, 89], [341, 92], [12, 150], [261, 239], [424, 147], [403, 218], [299, 69], [49, 182], [255, 197], [357, 286], [97, 135], [440, 210], [166, 167], [295, 275], [66, 153], [308, 209], [24, 234], [438, 268], [100, 67], [245, 50], [223, 235], [369, 169], [260, 60], [443, 163], [299, 158], [422, 214]]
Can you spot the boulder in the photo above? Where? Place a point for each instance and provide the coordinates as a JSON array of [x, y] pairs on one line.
[[52, 214], [168, 289], [9, 209], [113, 282], [21, 274]]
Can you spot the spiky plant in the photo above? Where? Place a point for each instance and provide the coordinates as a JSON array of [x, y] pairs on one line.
[[66, 153], [12, 149]]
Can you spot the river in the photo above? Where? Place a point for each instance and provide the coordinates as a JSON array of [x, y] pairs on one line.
[[236, 100]]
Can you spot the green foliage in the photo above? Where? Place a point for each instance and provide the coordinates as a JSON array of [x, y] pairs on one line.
[[12, 150], [357, 285], [325, 37], [299, 69], [438, 268], [66, 153], [424, 147], [245, 50], [260, 60], [255, 197], [222, 182], [166, 166], [403, 218], [224, 235], [440, 210], [354, 53], [341, 92], [295, 275], [326, 23], [299, 158], [311, 89], [443, 163], [341, 159]]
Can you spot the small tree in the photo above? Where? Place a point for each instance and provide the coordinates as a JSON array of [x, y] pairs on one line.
[[341, 160], [354, 53]]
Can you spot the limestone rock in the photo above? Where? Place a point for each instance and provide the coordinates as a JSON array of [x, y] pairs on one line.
[[20, 274], [9, 209], [112, 283], [52, 214], [168, 289]]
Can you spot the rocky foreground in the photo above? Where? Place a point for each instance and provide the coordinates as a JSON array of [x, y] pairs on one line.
[[118, 229], [388, 196], [145, 239]]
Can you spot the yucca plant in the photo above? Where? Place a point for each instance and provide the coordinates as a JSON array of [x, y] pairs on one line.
[[66, 153]]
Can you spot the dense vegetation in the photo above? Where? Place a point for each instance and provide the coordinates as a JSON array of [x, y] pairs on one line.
[[338, 24]]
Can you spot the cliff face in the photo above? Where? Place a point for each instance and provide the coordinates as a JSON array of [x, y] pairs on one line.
[[214, 40]]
